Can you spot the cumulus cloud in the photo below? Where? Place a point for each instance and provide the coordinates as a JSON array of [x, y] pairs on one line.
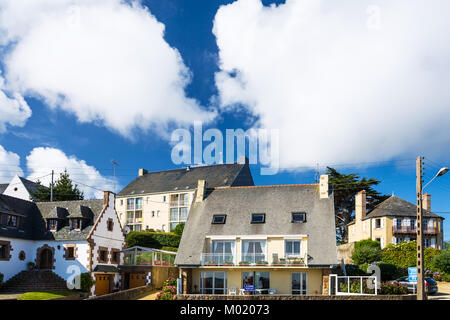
[[14, 110], [41, 161], [9, 165], [344, 82], [105, 61]]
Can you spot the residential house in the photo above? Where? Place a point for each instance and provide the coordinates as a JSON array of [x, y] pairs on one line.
[[160, 200], [19, 187], [259, 239], [64, 237], [394, 221]]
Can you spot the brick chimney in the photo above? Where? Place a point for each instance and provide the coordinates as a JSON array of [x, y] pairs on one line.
[[106, 197], [201, 190], [323, 186], [426, 203], [141, 172], [360, 205]]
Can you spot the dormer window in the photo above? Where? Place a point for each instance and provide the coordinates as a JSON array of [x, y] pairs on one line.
[[52, 224], [298, 217], [219, 219], [12, 221], [75, 224], [258, 218]]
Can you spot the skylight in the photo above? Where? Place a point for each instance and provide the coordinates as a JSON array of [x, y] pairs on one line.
[[258, 218], [298, 217], [219, 219]]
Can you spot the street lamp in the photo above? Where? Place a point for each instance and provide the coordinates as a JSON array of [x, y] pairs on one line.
[[420, 278]]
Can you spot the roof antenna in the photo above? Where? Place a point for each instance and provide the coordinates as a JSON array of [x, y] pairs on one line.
[[115, 164], [317, 174]]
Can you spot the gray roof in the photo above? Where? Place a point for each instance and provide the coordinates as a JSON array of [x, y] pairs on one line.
[[233, 174], [29, 185], [277, 202], [3, 187], [397, 207], [33, 222]]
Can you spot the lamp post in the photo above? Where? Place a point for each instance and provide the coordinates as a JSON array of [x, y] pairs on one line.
[[420, 261]]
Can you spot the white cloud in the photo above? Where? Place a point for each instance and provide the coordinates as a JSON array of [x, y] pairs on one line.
[[9, 165], [341, 85], [14, 110], [41, 161], [105, 61]]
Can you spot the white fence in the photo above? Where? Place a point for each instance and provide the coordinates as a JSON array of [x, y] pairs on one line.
[[353, 285]]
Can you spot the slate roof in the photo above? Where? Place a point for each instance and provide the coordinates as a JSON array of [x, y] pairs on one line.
[[277, 202], [397, 207], [29, 185], [33, 225], [105, 268], [3, 187], [234, 174]]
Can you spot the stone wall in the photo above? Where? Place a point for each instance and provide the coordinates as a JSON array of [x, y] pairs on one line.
[[345, 251], [130, 294], [291, 297], [161, 274]]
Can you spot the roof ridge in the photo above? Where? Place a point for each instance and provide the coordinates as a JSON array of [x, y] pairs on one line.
[[269, 186], [193, 167], [65, 201]]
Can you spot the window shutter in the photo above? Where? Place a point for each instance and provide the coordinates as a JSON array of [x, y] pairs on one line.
[[373, 223], [382, 222], [394, 240], [395, 221]]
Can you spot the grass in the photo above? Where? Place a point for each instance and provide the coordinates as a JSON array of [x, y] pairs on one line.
[[45, 295]]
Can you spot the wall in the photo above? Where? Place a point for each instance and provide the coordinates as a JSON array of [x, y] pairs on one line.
[[292, 297], [130, 294], [280, 278], [21, 192], [161, 274], [345, 251]]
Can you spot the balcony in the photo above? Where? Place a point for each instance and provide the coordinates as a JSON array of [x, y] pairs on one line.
[[404, 229], [253, 259], [140, 256], [431, 230]]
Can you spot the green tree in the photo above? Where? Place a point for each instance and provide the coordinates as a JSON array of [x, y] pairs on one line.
[[345, 187], [366, 251], [63, 190], [179, 229], [441, 262]]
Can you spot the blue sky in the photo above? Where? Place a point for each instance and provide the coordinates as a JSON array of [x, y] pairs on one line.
[[340, 92]]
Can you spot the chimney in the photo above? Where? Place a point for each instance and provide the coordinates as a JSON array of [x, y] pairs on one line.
[[243, 160], [201, 189], [426, 202], [323, 186], [360, 205], [106, 197], [141, 172]]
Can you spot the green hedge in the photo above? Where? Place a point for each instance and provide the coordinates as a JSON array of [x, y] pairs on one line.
[[155, 240], [366, 251], [403, 254], [173, 249]]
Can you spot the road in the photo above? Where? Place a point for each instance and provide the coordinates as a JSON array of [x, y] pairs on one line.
[[443, 292]]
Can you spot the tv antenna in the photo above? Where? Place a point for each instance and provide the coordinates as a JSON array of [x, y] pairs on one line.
[[115, 164]]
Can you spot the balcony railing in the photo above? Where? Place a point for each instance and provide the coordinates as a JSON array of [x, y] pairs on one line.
[[431, 230], [408, 229], [253, 259]]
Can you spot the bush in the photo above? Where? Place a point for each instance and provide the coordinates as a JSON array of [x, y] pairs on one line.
[[86, 282], [392, 288], [441, 262], [403, 254], [170, 249], [354, 270], [366, 251], [389, 271], [170, 282], [155, 240], [179, 229], [355, 286], [168, 291]]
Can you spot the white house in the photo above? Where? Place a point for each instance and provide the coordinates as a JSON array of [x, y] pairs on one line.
[[19, 187], [63, 238]]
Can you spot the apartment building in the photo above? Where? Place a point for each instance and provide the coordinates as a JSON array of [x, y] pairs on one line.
[[258, 240], [161, 200], [394, 221]]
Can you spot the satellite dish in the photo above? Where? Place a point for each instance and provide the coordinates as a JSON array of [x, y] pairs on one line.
[[126, 229]]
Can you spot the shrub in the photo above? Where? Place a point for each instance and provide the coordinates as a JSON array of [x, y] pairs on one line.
[[392, 288], [355, 286], [179, 229], [366, 252], [403, 254], [441, 262], [170, 282], [354, 270], [168, 291], [173, 249], [389, 271], [155, 240], [86, 282]]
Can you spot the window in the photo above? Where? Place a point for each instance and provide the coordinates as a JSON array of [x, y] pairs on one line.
[[103, 255], [138, 203], [153, 213], [75, 224], [253, 251], [130, 204], [219, 219], [115, 256], [213, 282], [377, 223], [69, 252], [223, 252], [164, 198], [134, 213], [121, 202], [292, 248], [5, 248], [52, 224], [299, 283], [258, 218], [157, 213], [298, 217], [256, 280], [110, 224], [426, 242], [12, 221]]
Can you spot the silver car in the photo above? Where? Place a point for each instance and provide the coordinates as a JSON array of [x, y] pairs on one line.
[[430, 285]]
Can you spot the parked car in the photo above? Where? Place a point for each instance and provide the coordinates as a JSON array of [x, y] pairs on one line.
[[430, 285]]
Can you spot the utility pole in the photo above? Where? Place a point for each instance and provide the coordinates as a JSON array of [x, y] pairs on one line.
[[421, 295], [51, 188]]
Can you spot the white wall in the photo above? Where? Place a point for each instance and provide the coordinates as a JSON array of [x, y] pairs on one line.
[[17, 189]]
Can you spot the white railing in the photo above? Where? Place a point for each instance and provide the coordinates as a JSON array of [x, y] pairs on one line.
[[217, 259], [346, 285]]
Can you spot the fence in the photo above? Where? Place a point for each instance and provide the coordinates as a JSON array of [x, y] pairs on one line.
[[353, 285]]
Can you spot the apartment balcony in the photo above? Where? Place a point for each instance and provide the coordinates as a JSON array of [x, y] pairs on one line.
[[431, 230], [181, 203], [253, 259], [404, 230]]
